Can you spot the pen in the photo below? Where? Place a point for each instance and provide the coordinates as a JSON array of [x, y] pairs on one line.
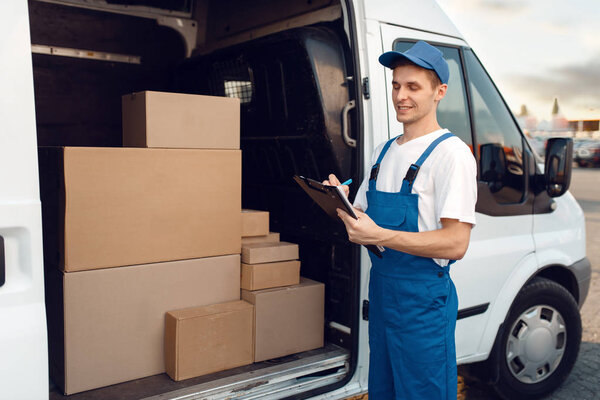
[[349, 181]]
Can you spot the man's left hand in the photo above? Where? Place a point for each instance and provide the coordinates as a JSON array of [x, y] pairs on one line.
[[362, 230]]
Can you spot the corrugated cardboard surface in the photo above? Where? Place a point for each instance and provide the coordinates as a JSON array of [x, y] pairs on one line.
[[270, 275], [176, 120], [257, 253], [255, 223], [202, 340], [113, 319], [118, 206], [272, 237], [287, 320]]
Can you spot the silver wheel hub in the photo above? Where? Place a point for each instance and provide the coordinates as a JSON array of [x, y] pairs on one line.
[[536, 344]]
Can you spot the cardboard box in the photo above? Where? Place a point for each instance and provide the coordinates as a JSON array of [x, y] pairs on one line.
[[257, 253], [107, 207], [287, 320], [255, 223], [202, 340], [270, 275], [110, 326], [176, 120], [272, 237]]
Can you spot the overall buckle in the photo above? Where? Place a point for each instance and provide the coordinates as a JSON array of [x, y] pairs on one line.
[[412, 172], [374, 172]]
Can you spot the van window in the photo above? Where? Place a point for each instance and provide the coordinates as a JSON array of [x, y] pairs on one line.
[[499, 141], [452, 111], [235, 76]]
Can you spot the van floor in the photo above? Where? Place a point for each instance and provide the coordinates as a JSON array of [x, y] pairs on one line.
[[302, 369]]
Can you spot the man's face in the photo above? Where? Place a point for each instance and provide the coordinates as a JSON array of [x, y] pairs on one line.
[[413, 95]]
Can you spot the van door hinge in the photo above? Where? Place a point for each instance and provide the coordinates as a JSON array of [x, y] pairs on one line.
[[365, 310], [366, 89]]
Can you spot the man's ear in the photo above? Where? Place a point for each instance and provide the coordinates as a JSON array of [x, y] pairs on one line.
[[441, 91]]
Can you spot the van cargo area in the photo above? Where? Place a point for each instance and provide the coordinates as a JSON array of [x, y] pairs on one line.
[[290, 65]]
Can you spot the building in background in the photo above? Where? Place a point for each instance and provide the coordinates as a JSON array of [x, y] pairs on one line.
[[585, 128]]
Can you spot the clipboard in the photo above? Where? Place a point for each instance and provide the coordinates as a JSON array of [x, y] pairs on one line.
[[330, 198]]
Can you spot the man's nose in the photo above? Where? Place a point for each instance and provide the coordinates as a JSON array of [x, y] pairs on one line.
[[401, 94]]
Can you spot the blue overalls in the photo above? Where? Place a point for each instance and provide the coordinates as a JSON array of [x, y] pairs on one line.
[[412, 304]]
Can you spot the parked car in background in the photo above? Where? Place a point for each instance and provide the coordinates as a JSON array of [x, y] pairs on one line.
[[587, 153]]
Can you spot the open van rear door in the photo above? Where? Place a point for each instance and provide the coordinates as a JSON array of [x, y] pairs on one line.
[[23, 343]]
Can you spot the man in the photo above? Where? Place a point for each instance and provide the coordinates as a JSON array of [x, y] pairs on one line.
[[419, 199]]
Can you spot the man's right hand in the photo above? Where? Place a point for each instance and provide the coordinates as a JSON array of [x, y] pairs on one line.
[[334, 181]]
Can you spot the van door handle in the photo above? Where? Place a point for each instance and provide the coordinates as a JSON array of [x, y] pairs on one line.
[[347, 139], [2, 262]]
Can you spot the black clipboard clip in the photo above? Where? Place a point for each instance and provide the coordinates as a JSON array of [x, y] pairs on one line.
[[330, 198]]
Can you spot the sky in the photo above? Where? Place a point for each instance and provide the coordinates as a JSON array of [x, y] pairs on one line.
[[536, 50]]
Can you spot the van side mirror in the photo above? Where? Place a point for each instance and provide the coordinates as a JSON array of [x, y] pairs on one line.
[[558, 167]]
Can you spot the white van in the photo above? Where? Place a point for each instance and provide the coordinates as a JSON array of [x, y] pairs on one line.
[[314, 99]]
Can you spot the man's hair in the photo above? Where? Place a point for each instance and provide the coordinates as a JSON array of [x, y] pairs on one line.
[[433, 77]]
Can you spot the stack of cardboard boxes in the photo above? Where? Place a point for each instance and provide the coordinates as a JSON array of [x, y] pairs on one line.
[[133, 233], [266, 262], [288, 309]]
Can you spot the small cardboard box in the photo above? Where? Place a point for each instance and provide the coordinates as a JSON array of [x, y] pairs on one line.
[[255, 223], [202, 340], [272, 237], [110, 207], [258, 253], [287, 320], [270, 275], [106, 326], [176, 120]]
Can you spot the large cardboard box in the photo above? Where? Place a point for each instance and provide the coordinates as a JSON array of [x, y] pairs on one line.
[[270, 275], [287, 320], [202, 340], [176, 120], [255, 223], [107, 207], [110, 326], [272, 237], [257, 253]]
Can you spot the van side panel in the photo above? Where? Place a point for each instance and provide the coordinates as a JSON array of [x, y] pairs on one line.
[[521, 273], [566, 222], [411, 14], [23, 344]]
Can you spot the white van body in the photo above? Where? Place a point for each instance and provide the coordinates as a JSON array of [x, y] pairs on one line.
[[507, 249]]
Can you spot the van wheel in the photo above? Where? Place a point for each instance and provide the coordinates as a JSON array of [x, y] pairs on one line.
[[540, 342]]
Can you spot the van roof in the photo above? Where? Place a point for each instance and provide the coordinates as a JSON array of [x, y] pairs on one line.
[[424, 15]]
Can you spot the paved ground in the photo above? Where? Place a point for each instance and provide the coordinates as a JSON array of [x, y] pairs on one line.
[[584, 381]]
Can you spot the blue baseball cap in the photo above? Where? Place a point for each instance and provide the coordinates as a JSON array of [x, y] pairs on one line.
[[422, 54]]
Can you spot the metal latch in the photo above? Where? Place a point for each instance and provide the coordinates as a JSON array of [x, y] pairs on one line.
[[366, 89], [365, 310]]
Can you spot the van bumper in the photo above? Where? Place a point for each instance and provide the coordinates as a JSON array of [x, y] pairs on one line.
[[582, 270]]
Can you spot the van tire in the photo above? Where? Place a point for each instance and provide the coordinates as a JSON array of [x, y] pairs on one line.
[[530, 301]]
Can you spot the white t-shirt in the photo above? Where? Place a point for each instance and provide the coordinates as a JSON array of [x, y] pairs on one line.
[[446, 182]]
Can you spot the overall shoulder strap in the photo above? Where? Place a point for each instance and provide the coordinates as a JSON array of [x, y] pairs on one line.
[[375, 167], [413, 170]]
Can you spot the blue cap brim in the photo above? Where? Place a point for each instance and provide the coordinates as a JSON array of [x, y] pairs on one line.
[[390, 59]]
